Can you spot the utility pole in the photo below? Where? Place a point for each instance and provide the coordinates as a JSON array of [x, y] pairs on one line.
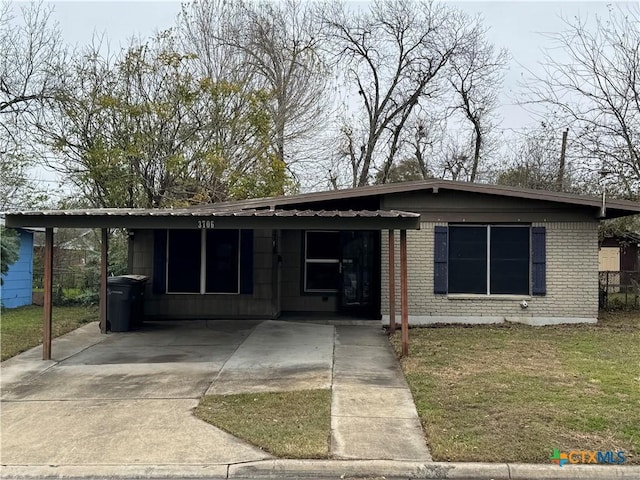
[[563, 150]]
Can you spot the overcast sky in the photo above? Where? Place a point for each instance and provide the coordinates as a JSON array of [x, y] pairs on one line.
[[518, 26]]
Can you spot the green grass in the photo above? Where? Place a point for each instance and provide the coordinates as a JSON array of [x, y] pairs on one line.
[[285, 424], [21, 328], [514, 393]]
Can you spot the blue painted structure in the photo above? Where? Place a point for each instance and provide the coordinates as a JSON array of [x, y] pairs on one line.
[[17, 287]]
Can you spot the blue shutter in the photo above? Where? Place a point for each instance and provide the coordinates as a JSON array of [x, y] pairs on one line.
[[539, 260], [246, 261], [441, 255], [160, 261]]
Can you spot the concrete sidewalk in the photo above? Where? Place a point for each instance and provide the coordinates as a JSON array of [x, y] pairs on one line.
[[127, 398], [372, 411]]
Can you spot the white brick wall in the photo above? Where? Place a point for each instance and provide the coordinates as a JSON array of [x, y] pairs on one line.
[[572, 281]]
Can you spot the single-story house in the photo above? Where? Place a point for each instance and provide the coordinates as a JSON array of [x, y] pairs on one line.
[[475, 253], [17, 283]]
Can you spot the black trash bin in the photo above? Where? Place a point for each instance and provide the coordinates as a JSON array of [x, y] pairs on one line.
[[125, 306]]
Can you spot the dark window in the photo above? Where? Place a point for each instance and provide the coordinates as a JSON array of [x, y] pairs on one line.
[[183, 266], [509, 269], [323, 245], [504, 264], [222, 261], [322, 277], [214, 270], [467, 259], [322, 261]]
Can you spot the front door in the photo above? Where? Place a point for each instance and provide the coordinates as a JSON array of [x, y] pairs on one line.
[[358, 284]]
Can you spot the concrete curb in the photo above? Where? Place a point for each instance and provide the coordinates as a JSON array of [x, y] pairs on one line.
[[427, 470], [113, 471], [368, 468], [326, 469]]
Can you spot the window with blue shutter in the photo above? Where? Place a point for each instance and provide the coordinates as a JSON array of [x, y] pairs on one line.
[[489, 260]]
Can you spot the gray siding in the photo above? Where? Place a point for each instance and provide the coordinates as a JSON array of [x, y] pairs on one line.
[[260, 304], [455, 206], [292, 269]]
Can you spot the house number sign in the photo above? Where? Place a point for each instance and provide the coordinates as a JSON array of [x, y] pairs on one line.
[[206, 224]]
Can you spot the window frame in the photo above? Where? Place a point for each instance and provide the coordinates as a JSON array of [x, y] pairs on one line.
[[307, 261], [488, 227], [203, 266]]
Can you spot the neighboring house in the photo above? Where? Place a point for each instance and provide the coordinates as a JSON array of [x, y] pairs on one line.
[[75, 250], [476, 253], [620, 253], [619, 266], [16, 290]]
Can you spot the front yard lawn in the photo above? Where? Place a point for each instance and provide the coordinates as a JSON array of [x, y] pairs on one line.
[[513, 393], [21, 328], [286, 424]]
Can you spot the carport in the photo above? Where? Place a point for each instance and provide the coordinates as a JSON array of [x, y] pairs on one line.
[[231, 216]]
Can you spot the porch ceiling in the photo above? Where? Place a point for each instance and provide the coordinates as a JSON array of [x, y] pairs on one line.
[[208, 217]]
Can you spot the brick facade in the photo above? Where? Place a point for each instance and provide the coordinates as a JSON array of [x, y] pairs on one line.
[[571, 274]]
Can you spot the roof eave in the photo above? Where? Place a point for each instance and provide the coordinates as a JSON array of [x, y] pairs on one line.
[[410, 222], [433, 186]]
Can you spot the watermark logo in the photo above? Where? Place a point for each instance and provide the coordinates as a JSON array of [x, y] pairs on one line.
[[558, 457], [588, 457]]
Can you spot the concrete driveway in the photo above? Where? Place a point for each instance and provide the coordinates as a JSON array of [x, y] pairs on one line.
[[127, 398]]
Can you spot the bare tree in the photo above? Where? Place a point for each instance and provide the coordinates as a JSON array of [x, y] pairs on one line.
[[32, 59], [282, 44], [476, 77], [201, 28], [592, 81], [393, 54], [533, 161], [424, 138]]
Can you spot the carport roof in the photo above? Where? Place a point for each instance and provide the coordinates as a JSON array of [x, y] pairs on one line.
[[211, 217]]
